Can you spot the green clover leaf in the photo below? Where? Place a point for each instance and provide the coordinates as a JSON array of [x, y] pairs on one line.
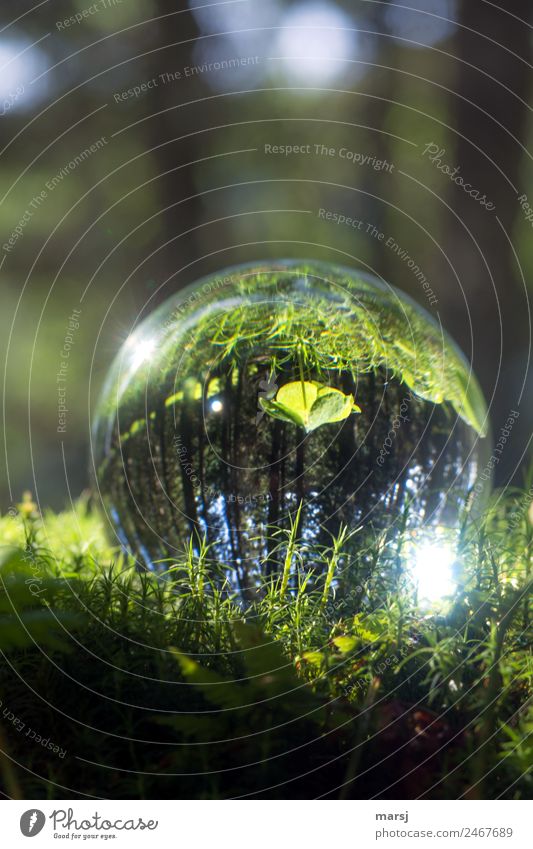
[[309, 404]]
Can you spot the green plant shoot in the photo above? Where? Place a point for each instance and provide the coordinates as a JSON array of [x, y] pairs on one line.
[[309, 404]]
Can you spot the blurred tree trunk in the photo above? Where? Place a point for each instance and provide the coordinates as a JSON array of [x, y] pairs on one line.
[[171, 123], [483, 147]]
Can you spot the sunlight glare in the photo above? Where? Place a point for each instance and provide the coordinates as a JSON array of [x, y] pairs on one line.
[[432, 570], [142, 352]]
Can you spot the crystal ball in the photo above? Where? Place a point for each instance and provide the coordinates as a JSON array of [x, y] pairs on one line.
[[283, 392]]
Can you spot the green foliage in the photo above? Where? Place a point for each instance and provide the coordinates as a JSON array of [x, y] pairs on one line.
[[324, 340], [309, 404], [30, 601], [179, 691], [359, 329]]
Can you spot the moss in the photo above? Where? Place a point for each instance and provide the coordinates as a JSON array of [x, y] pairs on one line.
[[165, 687]]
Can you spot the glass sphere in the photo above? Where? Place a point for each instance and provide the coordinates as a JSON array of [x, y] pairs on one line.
[[277, 390]]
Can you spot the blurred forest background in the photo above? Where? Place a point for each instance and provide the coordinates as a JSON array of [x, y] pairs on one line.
[[180, 186]]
